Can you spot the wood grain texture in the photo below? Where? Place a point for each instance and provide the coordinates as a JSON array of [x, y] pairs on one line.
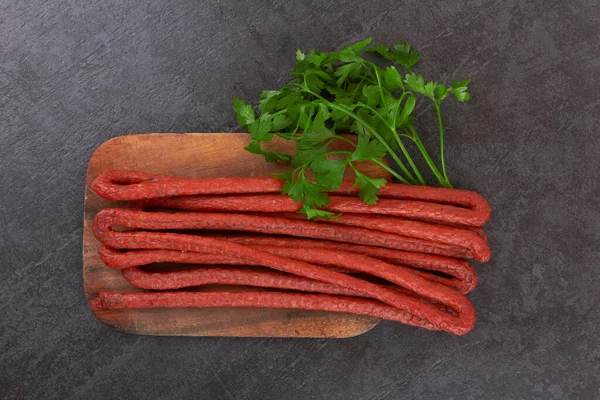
[[197, 155]]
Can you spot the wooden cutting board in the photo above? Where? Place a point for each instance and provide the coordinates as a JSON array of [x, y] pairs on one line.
[[197, 155]]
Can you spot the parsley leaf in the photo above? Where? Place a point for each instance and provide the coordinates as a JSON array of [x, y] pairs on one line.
[[402, 54], [255, 148], [280, 122], [405, 56], [459, 89], [308, 151], [317, 132], [392, 79], [415, 82], [268, 100], [260, 130], [409, 106], [307, 192], [367, 149], [314, 213], [351, 53], [329, 173], [284, 176], [371, 92], [315, 58], [315, 80], [245, 112], [368, 187], [441, 91], [339, 92], [346, 71]]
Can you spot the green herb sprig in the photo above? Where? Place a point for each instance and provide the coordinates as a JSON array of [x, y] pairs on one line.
[[343, 92]]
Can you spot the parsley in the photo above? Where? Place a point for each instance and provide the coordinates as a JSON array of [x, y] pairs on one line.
[[344, 92]]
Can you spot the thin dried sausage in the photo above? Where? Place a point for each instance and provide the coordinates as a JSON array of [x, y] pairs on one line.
[[320, 302], [282, 226], [460, 323], [135, 185], [277, 203], [462, 274], [361, 216], [135, 258], [451, 205], [116, 259], [451, 235], [126, 260], [229, 276]]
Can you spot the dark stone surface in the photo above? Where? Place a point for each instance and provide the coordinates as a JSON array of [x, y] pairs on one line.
[[74, 74]]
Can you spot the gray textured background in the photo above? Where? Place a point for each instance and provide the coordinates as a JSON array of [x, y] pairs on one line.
[[74, 74]]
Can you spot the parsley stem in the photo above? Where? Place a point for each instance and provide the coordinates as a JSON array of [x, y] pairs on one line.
[[279, 112], [391, 151], [390, 170], [338, 152], [408, 157], [375, 160], [383, 103], [345, 140], [427, 158], [369, 73], [297, 124], [358, 86], [287, 136], [401, 145], [307, 163], [348, 153], [395, 114], [439, 115]]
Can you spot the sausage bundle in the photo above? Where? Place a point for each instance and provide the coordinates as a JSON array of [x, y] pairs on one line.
[[401, 259]]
